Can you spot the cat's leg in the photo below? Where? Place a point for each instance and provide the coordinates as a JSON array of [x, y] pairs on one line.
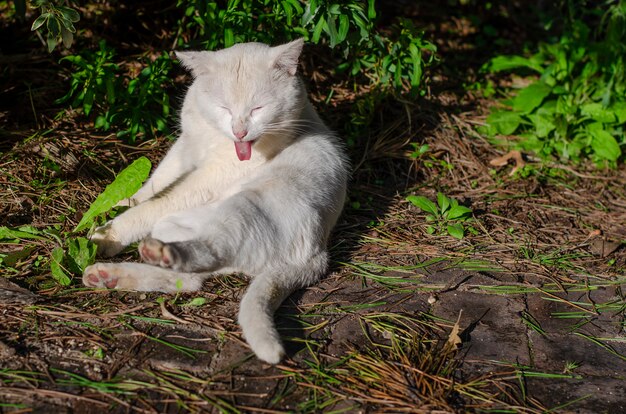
[[136, 223], [141, 277], [174, 165]]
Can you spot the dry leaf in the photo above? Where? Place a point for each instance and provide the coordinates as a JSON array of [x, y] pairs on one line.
[[603, 248], [454, 340], [503, 160]]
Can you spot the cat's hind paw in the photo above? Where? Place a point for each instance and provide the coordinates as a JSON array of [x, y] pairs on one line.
[[155, 252], [109, 276], [270, 353], [98, 276]]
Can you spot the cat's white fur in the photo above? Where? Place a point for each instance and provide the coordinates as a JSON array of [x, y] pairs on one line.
[[205, 211]]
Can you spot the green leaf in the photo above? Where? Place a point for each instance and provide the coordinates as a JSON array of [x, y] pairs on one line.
[[56, 267], [25, 232], [459, 212], [456, 231], [443, 202], [505, 122], [69, 13], [619, 109], [229, 37], [501, 63], [52, 43], [543, 124], [39, 21], [82, 253], [424, 204], [605, 145], [195, 302], [53, 25], [67, 37], [344, 25], [531, 97], [124, 186], [317, 31], [598, 113]]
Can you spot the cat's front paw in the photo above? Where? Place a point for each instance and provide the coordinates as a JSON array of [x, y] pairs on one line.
[[157, 253], [127, 202], [107, 241]]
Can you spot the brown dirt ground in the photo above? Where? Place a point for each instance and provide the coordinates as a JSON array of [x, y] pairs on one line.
[[536, 296]]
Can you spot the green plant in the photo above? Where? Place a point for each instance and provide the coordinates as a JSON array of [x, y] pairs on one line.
[[137, 106], [73, 254], [396, 58], [57, 19], [447, 216], [576, 108]]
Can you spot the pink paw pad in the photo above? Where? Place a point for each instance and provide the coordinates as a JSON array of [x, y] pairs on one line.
[[155, 252], [101, 279]]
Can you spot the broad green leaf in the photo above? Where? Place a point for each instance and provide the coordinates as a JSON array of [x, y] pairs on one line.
[[504, 122], [344, 25], [531, 97], [39, 21], [605, 145], [423, 203], [67, 37], [53, 25], [501, 63], [543, 124], [598, 113], [619, 109], [25, 232], [229, 37], [456, 231], [81, 253], [56, 267], [69, 13], [124, 186], [317, 31], [51, 42], [443, 202], [459, 212]]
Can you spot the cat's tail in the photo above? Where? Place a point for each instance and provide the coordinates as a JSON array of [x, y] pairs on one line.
[[263, 297]]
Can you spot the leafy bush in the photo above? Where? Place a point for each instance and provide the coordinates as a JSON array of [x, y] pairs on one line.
[[394, 59], [56, 19], [136, 106], [139, 106], [577, 106]]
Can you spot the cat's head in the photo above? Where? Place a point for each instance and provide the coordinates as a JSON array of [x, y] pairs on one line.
[[248, 91]]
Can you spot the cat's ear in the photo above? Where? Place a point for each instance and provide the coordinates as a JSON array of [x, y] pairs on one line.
[[197, 62], [287, 56]]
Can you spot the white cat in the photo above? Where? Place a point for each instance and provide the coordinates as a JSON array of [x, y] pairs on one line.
[[254, 184]]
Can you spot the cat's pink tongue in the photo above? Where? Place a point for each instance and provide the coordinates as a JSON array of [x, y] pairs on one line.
[[244, 150]]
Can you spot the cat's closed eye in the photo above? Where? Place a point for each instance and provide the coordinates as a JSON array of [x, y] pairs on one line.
[[255, 110], [226, 109]]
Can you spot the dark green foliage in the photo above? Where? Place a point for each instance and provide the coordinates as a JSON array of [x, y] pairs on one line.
[[56, 19], [135, 106], [576, 105], [138, 106]]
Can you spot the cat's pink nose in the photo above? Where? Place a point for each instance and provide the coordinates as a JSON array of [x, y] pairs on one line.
[[240, 134]]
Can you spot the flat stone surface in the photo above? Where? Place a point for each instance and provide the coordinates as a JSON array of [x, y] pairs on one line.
[[491, 325]]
